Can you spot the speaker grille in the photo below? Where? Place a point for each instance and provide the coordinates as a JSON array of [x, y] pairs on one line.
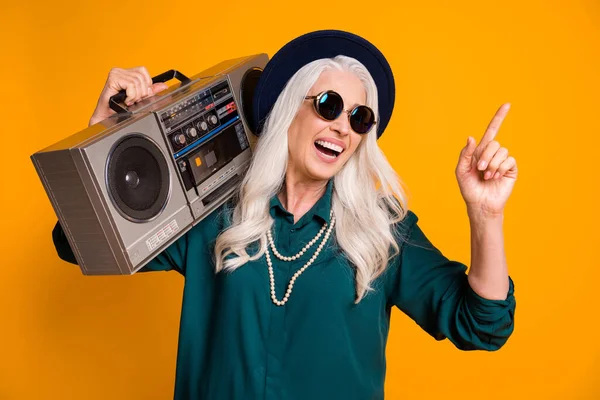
[[138, 178]]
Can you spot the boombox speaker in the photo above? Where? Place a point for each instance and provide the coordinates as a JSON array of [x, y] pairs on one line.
[[127, 187]]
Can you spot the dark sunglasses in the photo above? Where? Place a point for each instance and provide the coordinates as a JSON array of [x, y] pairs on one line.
[[329, 105]]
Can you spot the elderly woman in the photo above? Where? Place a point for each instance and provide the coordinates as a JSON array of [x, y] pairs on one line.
[[289, 288]]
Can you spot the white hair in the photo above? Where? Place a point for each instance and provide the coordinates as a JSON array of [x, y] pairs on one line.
[[367, 199]]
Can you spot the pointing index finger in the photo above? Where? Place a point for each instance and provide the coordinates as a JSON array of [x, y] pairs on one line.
[[494, 126]]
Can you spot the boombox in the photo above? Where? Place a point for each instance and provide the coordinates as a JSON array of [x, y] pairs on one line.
[[127, 187]]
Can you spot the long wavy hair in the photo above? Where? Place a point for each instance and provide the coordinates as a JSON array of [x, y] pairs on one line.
[[367, 200]]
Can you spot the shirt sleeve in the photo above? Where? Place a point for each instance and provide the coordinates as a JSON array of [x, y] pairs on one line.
[[61, 244], [173, 257], [434, 292], [197, 240]]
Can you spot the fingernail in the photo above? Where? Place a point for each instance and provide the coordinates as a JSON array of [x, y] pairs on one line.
[[497, 175], [487, 175], [482, 164], [149, 91]]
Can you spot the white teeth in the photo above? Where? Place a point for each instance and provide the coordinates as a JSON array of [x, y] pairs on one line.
[[331, 146]]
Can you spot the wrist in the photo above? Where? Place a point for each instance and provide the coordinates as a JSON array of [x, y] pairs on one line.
[[480, 214], [93, 120]]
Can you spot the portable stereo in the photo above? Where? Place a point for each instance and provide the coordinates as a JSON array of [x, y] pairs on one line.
[[127, 187]]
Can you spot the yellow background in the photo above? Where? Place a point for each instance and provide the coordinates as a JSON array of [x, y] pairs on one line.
[[67, 336]]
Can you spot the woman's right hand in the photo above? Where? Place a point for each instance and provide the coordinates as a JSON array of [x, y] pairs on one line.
[[137, 84]]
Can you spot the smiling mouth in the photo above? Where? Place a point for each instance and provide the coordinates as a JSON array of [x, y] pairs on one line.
[[328, 149]]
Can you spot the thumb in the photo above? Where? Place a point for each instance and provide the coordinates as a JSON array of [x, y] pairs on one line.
[[158, 87], [466, 155]]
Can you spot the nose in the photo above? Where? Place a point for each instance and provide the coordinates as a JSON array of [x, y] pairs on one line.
[[341, 124]]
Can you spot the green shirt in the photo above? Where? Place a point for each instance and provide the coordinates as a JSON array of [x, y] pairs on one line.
[[234, 343]]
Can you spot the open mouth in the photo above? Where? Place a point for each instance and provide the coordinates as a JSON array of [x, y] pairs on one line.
[[329, 150]]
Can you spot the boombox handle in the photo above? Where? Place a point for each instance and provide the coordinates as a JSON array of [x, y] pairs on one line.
[[115, 101]]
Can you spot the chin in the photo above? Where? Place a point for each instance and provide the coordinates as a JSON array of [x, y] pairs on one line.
[[321, 175], [322, 171]]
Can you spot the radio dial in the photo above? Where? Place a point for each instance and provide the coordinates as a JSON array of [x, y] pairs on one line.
[[179, 139], [213, 119], [191, 132], [203, 126]]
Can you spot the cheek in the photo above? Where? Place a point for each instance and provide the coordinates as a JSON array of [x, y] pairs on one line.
[[301, 139], [298, 142], [300, 130], [295, 136]]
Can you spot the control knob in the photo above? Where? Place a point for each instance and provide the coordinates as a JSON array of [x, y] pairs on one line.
[[203, 126], [212, 120], [191, 132], [179, 139]]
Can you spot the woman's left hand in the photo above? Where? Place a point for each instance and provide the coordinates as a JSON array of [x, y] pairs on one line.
[[486, 173]]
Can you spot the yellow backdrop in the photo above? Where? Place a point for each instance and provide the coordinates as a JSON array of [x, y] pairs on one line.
[[67, 336]]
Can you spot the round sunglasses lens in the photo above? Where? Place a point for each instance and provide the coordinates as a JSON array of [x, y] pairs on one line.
[[362, 119], [330, 105]]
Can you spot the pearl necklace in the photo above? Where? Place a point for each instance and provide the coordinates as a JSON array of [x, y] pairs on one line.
[[301, 270], [301, 252]]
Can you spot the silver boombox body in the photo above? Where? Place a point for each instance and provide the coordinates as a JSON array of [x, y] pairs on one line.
[[127, 187]]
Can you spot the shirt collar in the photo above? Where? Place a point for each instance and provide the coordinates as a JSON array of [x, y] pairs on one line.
[[321, 209]]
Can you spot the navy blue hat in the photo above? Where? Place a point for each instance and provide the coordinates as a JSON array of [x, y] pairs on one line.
[[313, 46]]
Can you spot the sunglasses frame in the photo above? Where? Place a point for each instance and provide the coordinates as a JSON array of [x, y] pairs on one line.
[[316, 99]]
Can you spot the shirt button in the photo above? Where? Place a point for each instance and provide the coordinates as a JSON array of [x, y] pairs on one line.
[[292, 230]]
